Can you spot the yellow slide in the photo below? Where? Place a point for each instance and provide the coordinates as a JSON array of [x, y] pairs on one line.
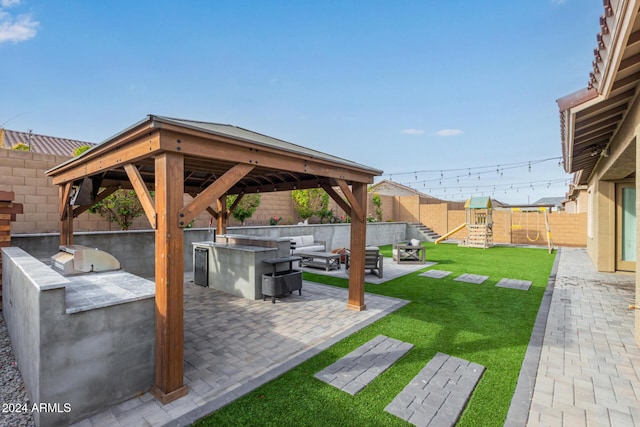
[[454, 231]]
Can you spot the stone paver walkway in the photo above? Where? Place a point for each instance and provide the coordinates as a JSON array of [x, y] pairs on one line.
[[354, 371], [438, 394], [233, 345], [589, 368], [435, 274], [471, 278], [522, 285]]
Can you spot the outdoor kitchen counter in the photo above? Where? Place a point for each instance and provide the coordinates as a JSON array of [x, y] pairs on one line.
[[234, 247], [234, 263], [96, 290]]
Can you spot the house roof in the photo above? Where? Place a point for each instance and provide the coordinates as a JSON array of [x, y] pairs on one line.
[[391, 188], [591, 117], [546, 201], [41, 143]]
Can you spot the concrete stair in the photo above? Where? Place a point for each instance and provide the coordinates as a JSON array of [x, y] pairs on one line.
[[429, 234]]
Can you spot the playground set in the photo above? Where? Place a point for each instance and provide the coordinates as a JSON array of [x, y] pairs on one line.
[[479, 223]]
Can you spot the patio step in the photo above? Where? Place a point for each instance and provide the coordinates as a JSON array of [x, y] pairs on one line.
[[429, 234]]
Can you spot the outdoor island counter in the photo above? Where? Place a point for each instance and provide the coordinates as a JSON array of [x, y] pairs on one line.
[[234, 263]]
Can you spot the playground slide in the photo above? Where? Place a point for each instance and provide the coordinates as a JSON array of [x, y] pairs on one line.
[[454, 231]]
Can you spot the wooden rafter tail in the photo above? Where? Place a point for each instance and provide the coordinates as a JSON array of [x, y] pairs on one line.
[[143, 194]]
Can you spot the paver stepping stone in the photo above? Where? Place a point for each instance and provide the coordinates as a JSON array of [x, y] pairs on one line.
[[435, 274], [438, 394], [523, 285], [471, 278], [354, 371]]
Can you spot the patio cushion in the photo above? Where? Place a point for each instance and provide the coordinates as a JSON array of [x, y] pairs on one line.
[[307, 240], [415, 242], [297, 240]]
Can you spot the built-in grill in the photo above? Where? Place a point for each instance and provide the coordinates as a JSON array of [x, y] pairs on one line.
[[78, 259]]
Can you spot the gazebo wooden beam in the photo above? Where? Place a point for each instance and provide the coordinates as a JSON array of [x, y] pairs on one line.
[[357, 207], [212, 193], [299, 184], [223, 148], [169, 255], [143, 194], [129, 153], [337, 198]]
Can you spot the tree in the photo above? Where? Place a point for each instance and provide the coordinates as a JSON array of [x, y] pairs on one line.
[[121, 207], [20, 146], [308, 203], [80, 150], [377, 202], [245, 208]]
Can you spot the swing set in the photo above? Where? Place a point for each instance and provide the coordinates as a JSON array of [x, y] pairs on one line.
[[528, 211]]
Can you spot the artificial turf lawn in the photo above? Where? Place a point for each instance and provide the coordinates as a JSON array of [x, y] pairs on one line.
[[480, 323]]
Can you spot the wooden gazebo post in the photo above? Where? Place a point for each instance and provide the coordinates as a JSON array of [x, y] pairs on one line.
[[223, 217], [66, 214], [169, 180], [358, 243]]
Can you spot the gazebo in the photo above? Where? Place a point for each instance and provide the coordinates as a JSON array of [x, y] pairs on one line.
[[208, 161]]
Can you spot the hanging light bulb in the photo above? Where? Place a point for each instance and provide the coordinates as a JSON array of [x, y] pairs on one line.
[[529, 167]]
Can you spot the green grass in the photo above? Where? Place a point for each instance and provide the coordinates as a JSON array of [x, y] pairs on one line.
[[481, 323]]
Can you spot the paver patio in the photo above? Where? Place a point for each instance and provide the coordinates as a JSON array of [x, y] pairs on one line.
[[233, 345], [585, 364]]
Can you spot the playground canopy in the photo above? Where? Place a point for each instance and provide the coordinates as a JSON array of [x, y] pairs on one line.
[[478, 203]]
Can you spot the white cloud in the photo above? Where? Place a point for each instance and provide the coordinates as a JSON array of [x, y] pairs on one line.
[[448, 132], [9, 3], [16, 30], [412, 131]]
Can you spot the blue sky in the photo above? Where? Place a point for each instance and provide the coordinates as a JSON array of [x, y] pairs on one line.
[[402, 86]]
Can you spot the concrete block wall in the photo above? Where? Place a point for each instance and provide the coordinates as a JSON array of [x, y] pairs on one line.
[[84, 361], [526, 228], [135, 249]]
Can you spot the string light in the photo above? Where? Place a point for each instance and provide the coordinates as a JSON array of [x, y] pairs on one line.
[[527, 163]]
